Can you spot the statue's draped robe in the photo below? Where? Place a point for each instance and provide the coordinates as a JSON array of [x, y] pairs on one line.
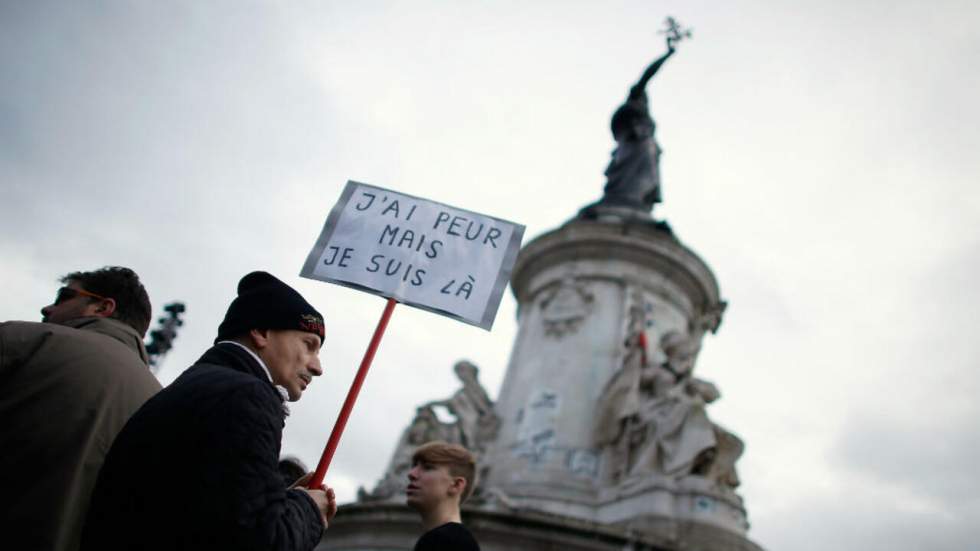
[[677, 432], [633, 174], [673, 422]]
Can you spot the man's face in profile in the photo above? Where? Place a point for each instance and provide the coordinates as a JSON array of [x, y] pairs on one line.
[[72, 302], [293, 359]]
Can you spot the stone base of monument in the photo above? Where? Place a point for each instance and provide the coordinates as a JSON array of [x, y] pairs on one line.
[[692, 499], [600, 437], [388, 526], [614, 214]]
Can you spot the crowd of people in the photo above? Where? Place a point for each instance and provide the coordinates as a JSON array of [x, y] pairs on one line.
[[97, 456]]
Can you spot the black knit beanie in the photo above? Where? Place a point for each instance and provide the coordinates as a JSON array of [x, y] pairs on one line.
[[264, 302]]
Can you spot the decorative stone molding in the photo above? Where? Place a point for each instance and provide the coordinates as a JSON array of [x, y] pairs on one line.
[[395, 526], [641, 245]]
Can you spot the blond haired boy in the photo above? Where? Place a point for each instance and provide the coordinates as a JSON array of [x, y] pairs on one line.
[[443, 475]]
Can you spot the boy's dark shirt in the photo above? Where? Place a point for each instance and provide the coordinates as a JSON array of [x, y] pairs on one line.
[[451, 536]]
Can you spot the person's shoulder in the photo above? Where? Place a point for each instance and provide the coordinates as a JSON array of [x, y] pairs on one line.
[[52, 341], [220, 369], [220, 400], [220, 379], [451, 535], [21, 329], [94, 366], [81, 332], [236, 392], [16, 324], [20, 340]]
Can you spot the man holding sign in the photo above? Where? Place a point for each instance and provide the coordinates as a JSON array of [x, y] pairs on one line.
[[197, 466]]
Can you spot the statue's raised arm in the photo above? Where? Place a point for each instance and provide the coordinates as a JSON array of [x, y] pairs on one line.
[[640, 87], [674, 33]]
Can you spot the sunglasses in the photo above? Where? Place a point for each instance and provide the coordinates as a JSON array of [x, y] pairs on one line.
[[67, 293]]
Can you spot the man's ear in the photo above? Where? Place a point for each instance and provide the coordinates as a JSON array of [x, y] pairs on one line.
[[259, 338], [106, 308]]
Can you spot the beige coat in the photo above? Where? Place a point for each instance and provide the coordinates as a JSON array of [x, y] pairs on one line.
[[65, 392]]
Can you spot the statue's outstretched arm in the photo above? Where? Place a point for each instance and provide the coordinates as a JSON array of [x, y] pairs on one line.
[[651, 70]]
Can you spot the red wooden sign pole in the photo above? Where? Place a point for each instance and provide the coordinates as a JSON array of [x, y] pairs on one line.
[[355, 388]]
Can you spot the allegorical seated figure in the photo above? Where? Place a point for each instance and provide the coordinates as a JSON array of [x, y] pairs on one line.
[[653, 418], [474, 426], [476, 421]]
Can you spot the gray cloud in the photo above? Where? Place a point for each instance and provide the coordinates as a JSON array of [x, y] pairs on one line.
[[924, 440]]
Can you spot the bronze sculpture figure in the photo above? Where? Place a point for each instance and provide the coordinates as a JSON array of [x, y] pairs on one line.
[[633, 174]]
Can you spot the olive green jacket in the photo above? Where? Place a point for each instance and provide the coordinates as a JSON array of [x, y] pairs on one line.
[[65, 392]]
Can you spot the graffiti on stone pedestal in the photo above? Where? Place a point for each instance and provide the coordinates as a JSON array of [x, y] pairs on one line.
[[536, 426], [583, 462], [705, 504], [537, 440]]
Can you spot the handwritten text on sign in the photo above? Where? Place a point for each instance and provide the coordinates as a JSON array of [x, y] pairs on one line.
[[426, 254]]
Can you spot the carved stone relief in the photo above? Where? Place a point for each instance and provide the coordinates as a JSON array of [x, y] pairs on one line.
[[710, 320], [652, 417], [565, 307]]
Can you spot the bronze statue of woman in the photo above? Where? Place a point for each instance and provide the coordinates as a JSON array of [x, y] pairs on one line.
[[633, 174]]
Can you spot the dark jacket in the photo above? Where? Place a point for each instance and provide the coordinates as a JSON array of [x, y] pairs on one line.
[[65, 392], [197, 468]]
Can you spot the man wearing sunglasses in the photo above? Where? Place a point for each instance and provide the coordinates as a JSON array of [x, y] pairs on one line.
[[67, 387]]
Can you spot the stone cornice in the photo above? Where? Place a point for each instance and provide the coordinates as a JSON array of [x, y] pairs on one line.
[[640, 244]]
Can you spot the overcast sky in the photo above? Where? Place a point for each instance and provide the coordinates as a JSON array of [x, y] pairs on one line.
[[820, 156]]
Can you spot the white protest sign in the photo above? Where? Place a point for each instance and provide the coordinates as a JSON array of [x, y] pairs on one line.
[[426, 254]]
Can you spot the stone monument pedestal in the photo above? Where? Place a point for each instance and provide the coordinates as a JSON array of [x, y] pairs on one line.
[[556, 474], [575, 287], [394, 527]]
